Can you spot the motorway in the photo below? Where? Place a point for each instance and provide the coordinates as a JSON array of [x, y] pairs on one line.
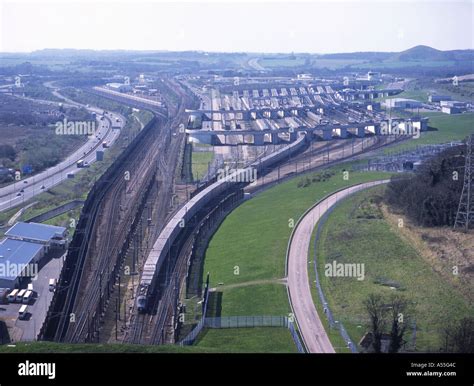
[[11, 196], [299, 288]]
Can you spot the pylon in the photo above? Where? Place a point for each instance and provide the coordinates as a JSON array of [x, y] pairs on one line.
[[465, 214]]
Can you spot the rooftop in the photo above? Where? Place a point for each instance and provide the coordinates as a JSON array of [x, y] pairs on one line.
[[16, 252], [35, 231]]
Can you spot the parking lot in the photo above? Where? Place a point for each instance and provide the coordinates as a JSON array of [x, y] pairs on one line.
[[28, 329]]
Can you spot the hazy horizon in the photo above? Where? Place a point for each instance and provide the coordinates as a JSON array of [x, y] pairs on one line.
[[262, 26]]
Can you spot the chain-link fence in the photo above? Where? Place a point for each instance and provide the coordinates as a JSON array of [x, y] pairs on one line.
[[243, 322], [327, 311], [246, 321]]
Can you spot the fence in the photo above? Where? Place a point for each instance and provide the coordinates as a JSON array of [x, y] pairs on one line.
[[56, 211], [243, 322], [327, 311], [246, 321]]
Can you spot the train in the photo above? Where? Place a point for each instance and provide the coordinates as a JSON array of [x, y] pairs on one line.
[[175, 225]]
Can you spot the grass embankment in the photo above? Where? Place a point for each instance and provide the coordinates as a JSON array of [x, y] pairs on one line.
[[357, 232], [246, 257], [212, 341], [200, 162], [449, 128]]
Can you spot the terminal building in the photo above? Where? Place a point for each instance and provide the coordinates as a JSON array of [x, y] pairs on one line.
[[438, 98], [18, 261], [24, 248], [453, 107], [401, 103]]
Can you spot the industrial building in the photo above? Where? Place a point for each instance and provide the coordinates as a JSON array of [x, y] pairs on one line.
[[438, 98], [18, 261], [119, 87], [401, 103], [453, 107], [46, 235], [24, 248]]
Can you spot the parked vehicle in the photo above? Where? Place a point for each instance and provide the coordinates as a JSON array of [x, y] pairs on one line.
[[23, 312], [12, 296], [52, 284], [19, 296]]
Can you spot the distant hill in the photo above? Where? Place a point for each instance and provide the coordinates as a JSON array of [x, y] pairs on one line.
[[416, 53]]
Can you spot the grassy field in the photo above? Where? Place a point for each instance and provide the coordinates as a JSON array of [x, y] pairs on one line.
[[246, 257], [255, 236], [200, 162], [356, 232], [249, 340], [449, 128], [49, 347]]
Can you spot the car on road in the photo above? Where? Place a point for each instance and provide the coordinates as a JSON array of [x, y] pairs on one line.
[[18, 194], [43, 187]]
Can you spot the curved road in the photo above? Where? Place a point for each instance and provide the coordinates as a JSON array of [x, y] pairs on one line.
[[309, 323], [12, 195]]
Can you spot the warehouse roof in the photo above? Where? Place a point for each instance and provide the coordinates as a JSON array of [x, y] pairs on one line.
[[16, 252], [35, 231]]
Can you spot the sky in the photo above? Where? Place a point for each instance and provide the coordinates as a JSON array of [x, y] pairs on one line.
[[316, 26]]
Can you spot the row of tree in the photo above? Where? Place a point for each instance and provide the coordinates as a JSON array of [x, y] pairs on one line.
[[430, 197]]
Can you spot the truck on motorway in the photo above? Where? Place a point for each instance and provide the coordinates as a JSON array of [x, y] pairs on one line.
[[80, 163], [105, 144]]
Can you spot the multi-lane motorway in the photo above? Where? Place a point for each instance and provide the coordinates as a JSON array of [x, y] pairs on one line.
[[20, 191]]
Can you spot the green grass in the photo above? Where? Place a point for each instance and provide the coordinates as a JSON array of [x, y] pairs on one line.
[[261, 299], [249, 340], [49, 347], [255, 236], [252, 241], [349, 236], [200, 162], [450, 128]]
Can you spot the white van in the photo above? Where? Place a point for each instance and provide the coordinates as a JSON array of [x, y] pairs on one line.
[[23, 312], [19, 296], [12, 296], [27, 296], [30, 287], [52, 284]]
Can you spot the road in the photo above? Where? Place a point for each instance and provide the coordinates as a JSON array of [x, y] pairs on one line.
[[309, 323], [11, 194]]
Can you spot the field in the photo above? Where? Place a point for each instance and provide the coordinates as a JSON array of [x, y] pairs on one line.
[[246, 256], [200, 162], [449, 128], [249, 340], [357, 232]]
